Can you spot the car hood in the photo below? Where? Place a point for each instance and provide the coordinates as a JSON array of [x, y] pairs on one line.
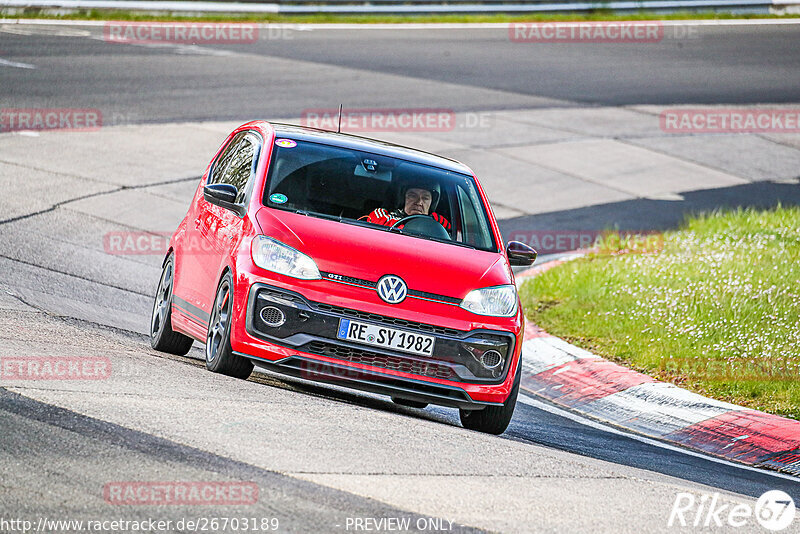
[[369, 253]]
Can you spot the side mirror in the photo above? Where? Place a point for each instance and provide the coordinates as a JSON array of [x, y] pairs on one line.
[[520, 254], [223, 195]]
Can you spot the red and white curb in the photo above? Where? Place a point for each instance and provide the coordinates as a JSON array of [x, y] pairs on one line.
[[575, 379]]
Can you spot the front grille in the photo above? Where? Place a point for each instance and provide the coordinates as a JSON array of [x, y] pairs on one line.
[[396, 363], [391, 321], [312, 327]]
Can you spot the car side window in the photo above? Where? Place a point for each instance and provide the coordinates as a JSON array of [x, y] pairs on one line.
[[475, 229], [237, 164], [222, 161]]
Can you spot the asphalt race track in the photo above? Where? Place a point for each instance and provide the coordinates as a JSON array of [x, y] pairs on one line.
[[461, 69], [323, 456]]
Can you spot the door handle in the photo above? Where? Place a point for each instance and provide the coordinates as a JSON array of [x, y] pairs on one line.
[[197, 222]]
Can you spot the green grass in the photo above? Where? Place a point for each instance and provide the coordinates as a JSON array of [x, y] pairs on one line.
[[95, 14], [716, 311]]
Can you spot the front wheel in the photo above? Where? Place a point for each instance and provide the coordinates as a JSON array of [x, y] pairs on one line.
[[219, 355], [493, 419], [162, 337]]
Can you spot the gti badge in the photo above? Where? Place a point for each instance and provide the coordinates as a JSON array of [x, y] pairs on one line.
[[392, 289]]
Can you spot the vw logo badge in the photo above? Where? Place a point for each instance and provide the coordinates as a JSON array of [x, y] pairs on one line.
[[392, 289]]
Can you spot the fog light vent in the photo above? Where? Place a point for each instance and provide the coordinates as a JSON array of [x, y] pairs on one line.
[[272, 316], [491, 359]]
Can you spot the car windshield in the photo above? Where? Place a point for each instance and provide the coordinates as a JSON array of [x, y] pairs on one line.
[[349, 185]]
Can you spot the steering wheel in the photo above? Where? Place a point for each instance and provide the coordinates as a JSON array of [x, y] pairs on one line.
[[423, 225]]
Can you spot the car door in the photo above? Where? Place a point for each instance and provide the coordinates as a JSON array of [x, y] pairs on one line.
[[219, 227], [193, 255]]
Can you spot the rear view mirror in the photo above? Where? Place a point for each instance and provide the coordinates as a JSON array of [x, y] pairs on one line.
[[223, 195], [520, 254]]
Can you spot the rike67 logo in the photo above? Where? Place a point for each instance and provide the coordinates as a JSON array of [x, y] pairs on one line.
[[774, 511]]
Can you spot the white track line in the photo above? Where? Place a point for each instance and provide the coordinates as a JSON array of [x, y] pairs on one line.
[[7, 63], [530, 401]]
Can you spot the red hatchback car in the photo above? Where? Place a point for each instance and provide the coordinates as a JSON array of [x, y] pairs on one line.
[[346, 260]]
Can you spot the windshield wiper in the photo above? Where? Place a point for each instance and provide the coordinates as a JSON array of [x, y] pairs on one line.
[[385, 228], [448, 241], [338, 218], [356, 222], [430, 238], [319, 215]]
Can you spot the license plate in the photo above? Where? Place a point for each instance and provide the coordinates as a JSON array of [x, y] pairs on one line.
[[388, 338]]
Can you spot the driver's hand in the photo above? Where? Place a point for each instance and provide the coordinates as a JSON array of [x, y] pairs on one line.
[[382, 217]]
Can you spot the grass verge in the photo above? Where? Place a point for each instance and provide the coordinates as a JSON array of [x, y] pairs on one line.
[[716, 311], [598, 15]]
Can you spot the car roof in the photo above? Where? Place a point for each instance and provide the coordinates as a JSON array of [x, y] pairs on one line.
[[383, 148]]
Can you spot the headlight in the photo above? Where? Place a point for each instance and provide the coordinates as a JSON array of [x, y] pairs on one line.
[[499, 301], [274, 256]]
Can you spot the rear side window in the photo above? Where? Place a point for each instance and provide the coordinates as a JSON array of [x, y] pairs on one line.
[[237, 164]]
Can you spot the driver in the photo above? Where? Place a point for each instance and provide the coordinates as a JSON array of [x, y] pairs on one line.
[[416, 199]]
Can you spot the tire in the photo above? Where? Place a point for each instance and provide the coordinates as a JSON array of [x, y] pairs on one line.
[[162, 337], [409, 403], [219, 355], [493, 419]]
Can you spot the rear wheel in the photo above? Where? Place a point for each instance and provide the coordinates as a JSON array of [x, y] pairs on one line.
[[162, 337], [219, 355], [493, 419]]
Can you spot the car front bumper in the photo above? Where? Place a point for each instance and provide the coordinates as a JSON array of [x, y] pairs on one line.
[[304, 344]]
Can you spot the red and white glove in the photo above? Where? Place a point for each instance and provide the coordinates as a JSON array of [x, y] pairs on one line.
[[382, 217]]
